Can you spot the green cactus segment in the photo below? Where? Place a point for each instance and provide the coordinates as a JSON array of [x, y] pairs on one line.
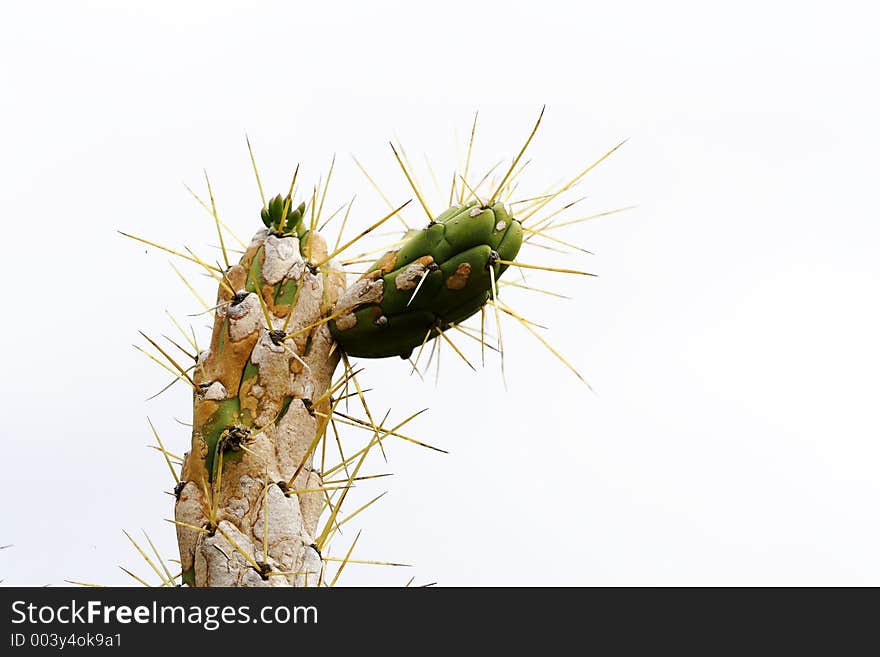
[[226, 415], [448, 263], [284, 223], [285, 293], [370, 340], [255, 271]]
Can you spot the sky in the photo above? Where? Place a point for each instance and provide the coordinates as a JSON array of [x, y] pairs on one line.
[[729, 435]]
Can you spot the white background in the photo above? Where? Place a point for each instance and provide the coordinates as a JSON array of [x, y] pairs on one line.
[[731, 336]]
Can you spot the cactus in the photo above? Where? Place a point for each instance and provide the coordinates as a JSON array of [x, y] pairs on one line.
[[441, 275], [257, 390], [250, 497]]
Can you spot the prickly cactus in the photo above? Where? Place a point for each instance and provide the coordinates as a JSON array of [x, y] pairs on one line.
[[440, 276], [250, 498], [258, 391]]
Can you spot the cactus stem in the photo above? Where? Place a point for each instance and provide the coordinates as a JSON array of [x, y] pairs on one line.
[[323, 320]]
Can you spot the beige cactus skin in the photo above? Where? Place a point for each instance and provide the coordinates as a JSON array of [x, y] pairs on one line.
[[270, 390]]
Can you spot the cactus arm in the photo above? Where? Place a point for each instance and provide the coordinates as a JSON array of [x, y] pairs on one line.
[[438, 277]]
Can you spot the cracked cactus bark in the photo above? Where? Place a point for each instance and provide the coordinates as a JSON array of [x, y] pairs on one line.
[[247, 507]]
